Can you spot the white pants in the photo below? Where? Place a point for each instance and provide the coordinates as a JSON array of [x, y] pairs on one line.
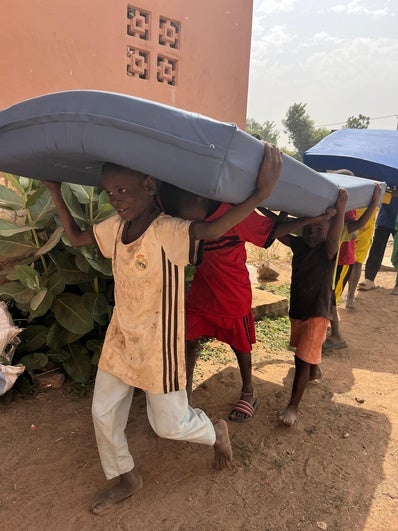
[[169, 414]]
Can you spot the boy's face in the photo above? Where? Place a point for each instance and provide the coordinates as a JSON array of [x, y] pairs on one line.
[[130, 193], [315, 233]]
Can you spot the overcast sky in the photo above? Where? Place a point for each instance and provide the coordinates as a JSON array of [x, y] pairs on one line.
[[340, 57]]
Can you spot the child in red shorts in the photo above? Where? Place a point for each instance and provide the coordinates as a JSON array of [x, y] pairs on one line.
[[313, 264], [218, 303]]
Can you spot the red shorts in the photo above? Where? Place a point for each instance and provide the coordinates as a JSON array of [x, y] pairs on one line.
[[238, 332], [308, 337]]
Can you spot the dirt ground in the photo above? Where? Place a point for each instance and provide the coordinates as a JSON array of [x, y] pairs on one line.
[[335, 469]]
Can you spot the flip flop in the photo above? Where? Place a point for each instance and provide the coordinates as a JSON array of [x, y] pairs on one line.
[[245, 407]]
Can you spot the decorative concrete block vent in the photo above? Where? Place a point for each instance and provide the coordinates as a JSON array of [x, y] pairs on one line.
[[153, 46]]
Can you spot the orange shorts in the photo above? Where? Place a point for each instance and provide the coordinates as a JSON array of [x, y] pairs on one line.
[[308, 337]]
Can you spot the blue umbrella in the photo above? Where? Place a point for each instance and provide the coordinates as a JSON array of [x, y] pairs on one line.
[[370, 153]]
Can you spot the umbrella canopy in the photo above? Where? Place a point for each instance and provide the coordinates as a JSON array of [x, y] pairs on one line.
[[370, 153]]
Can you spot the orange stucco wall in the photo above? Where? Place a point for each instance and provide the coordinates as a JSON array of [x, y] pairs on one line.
[[200, 63]]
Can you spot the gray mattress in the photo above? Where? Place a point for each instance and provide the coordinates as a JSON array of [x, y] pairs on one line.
[[67, 136]]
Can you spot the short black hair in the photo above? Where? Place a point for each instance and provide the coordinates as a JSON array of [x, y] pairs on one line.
[[111, 166]]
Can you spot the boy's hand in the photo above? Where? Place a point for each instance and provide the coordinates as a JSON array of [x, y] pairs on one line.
[[270, 171], [341, 199]]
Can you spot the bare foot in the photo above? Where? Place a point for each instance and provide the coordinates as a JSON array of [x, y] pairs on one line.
[[222, 446], [128, 484], [289, 416], [350, 303], [315, 373]]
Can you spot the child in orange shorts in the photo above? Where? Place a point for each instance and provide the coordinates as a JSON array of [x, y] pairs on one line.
[[313, 264]]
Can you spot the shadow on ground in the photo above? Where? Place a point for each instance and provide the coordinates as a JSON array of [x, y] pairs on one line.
[[324, 469]]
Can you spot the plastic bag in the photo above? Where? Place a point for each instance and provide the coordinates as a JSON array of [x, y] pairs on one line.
[[8, 335], [8, 375], [8, 341]]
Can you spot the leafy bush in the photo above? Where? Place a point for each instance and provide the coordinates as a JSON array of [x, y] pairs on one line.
[[60, 295]]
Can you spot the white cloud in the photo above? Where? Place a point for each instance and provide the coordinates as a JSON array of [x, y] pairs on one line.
[[268, 7], [323, 37], [276, 37], [359, 7], [358, 61]]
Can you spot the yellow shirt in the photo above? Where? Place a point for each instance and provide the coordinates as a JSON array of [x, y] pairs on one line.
[[364, 236], [145, 341]]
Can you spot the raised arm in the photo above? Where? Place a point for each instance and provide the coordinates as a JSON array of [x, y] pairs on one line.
[[267, 177], [336, 225], [353, 226], [76, 236], [293, 226]]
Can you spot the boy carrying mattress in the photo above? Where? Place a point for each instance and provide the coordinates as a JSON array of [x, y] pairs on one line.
[[145, 342], [313, 265], [218, 304]]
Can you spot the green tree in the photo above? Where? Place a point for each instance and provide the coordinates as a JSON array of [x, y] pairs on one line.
[[357, 122], [301, 129], [266, 131]]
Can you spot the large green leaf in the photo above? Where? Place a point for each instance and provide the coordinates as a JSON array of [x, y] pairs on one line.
[[105, 211], [55, 283], [34, 361], [103, 200], [33, 338], [9, 199], [97, 261], [97, 305], [69, 272], [84, 194], [71, 313], [61, 259], [51, 242], [26, 183], [16, 246], [29, 277], [73, 277], [59, 355], [78, 365], [14, 182], [42, 209], [37, 299], [17, 292], [58, 336], [82, 263], [9, 269], [7, 228], [95, 346], [34, 195], [72, 204], [40, 304]]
